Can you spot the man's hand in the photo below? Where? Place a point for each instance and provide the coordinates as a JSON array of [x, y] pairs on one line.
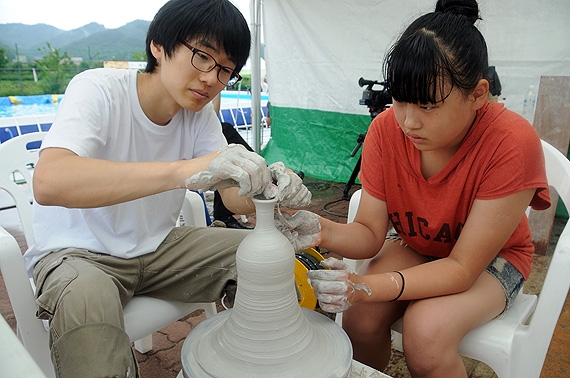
[[235, 166], [303, 228], [290, 188], [336, 288]]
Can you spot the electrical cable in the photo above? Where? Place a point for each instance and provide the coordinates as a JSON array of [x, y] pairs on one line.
[[330, 212], [320, 187]]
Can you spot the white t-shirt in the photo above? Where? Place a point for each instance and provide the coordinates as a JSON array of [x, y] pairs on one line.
[[100, 117]]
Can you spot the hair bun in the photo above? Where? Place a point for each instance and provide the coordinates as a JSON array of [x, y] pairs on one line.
[[466, 8]]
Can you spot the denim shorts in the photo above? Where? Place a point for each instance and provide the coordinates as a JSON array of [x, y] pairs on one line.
[[508, 276]]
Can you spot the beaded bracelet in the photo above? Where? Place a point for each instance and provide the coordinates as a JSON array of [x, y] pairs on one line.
[[402, 289]]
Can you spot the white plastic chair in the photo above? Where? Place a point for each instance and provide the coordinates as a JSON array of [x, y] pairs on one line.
[[143, 315], [516, 345]]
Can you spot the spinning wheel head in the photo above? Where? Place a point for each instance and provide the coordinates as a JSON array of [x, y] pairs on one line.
[[306, 260]]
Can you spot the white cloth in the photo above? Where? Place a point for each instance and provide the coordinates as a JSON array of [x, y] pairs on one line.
[[101, 117]]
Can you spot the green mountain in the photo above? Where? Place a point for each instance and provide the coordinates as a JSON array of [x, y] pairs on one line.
[[26, 35], [90, 42], [66, 37], [111, 44]]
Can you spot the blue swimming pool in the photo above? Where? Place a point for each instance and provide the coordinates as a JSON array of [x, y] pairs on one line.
[[27, 110], [28, 114], [19, 106]]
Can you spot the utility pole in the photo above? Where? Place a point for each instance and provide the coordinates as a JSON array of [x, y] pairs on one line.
[[19, 71]]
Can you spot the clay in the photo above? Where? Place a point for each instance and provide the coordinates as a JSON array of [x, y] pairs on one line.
[[266, 333]]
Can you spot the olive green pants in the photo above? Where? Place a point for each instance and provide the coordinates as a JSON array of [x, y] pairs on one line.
[[82, 294]]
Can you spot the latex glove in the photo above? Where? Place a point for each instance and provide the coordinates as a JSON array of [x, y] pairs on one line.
[[303, 228], [291, 191], [235, 166], [335, 289]]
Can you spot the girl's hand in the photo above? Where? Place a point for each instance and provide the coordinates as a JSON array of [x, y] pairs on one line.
[[336, 288], [290, 188], [303, 228]]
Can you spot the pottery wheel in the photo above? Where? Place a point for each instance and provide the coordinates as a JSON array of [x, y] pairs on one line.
[[328, 359]]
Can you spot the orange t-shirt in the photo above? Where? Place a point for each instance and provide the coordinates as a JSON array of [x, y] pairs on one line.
[[500, 155]]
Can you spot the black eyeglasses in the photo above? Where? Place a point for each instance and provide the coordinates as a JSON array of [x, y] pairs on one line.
[[204, 62]]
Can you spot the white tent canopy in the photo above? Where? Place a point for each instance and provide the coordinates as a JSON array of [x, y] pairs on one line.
[[317, 50]]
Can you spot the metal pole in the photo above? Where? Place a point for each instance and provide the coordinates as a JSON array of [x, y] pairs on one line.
[[255, 12]]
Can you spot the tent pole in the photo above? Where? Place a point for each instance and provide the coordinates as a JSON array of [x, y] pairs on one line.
[[255, 12]]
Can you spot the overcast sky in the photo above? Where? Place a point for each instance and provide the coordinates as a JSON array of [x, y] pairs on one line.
[[71, 14]]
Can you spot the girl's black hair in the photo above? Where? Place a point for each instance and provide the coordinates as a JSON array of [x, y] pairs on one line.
[[217, 22], [437, 52]]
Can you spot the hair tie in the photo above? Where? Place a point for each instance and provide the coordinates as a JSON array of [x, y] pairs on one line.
[[402, 289]]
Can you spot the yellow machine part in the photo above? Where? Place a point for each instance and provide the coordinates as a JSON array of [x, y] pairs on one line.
[[308, 299]]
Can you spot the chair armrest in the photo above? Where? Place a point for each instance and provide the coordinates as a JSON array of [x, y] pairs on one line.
[[355, 265], [15, 361], [14, 273], [555, 287], [19, 287], [193, 210]]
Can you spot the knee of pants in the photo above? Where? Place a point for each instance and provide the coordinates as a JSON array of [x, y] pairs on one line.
[[87, 296], [94, 350]]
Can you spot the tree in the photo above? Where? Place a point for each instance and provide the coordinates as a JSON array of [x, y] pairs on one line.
[[139, 56], [53, 66], [3, 58]]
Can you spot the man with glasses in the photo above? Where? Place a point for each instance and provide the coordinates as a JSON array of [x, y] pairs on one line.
[[205, 62], [112, 176]]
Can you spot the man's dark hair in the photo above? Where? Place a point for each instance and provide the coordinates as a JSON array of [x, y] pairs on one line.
[[217, 22]]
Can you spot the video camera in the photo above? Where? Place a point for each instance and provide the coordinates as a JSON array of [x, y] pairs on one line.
[[376, 100]]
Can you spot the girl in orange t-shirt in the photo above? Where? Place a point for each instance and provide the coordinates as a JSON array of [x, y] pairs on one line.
[[453, 175]]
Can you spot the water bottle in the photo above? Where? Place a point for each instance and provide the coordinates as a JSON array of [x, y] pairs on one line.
[[529, 104]]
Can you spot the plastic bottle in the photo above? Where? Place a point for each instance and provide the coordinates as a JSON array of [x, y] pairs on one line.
[[529, 104]]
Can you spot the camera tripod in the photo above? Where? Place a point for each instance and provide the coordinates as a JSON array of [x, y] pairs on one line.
[[376, 100], [352, 180]]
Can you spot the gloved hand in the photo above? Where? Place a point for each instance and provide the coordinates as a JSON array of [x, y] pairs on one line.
[[303, 228], [291, 191], [235, 166], [335, 289]]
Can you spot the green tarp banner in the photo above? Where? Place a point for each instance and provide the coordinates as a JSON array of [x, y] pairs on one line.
[[317, 142]]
